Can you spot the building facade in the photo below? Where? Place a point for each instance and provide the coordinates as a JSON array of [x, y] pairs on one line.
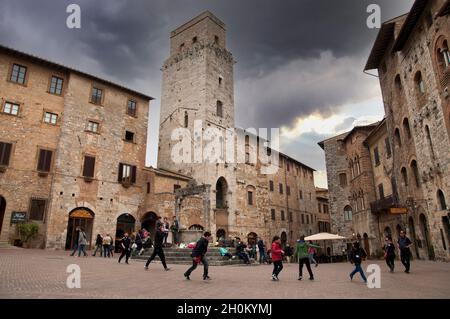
[[408, 152]]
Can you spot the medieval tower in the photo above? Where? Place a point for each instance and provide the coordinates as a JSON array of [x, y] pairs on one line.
[[197, 89]]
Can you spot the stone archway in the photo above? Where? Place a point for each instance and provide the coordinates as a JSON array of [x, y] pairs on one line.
[[79, 217], [2, 211], [148, 221], [221, 193], [125, 224], [251, 238]]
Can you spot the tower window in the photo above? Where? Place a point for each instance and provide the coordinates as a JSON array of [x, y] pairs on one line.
[[404, 176], [129, 136], [220, 80], [216, 39], [186, 119], [219, 109], [194, 40], [406, 127], [420, 84]]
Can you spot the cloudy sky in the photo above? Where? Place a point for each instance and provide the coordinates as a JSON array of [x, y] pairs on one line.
[[299, 62]]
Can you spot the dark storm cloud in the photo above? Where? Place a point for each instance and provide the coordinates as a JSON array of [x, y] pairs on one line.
[[295, 57]]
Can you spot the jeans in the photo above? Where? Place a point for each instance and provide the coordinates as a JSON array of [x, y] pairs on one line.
[[106, 251], [125, 252], [160, 252], [194, 266], [262, 256], [405, 256], [312, 260], [75, 248], [81, 248], [359, 269], [244, 257], [390, 262], [305, 261], [277, 267], [96, 249]]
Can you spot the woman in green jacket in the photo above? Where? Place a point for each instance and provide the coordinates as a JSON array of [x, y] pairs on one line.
[[301, 252]]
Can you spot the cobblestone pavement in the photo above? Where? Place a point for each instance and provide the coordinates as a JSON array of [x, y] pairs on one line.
[[42, 274]]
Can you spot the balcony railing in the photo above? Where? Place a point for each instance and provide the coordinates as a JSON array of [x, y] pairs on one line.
[[382, 204]]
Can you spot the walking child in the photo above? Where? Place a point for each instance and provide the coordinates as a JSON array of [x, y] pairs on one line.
[[277, 257]]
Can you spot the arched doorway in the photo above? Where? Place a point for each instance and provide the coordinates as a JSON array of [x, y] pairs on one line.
[[283, 239], [79, 217], [366, 244], [412, 234], [251, 238], [221, 193], [2, 211], [148, 221], [220, 233], [387, 232], [125, 224], [426, 235]]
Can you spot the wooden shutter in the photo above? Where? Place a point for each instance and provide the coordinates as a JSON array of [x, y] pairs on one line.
[[133, 174], [120, 172], [89, 166], [41, 160], [48, 160], [5, 153]]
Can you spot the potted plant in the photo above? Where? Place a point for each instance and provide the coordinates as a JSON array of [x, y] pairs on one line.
[[27, 231]]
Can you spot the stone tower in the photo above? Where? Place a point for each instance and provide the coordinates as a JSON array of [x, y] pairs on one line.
[[198, 86]]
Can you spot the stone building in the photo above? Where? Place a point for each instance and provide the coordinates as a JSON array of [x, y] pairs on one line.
[[72, 149], [412, 58], [197, 94], [323, 218]]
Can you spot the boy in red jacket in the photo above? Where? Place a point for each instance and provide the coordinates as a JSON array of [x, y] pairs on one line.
[[277, 257]]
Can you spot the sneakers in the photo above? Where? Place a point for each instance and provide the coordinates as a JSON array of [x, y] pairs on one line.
[[351, 278], [275, 278], [166, 269], [187, 277], [206, 278], [299, 277], [311, 278], [146, 267]]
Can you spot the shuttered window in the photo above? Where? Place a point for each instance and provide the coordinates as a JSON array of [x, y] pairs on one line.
[[5, 153], [45, 160], [89, 166], [127, 173]]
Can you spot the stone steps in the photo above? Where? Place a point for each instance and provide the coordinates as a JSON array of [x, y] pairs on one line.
[[182, 256], [6, 245]]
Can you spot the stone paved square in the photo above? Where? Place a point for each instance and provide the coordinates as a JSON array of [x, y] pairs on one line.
[[42, 274]]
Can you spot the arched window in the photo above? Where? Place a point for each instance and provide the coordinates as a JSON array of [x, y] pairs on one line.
[[219, 109], [420, 84], [352, 169], [348, 212], [441, 200], [404, 176], [406, 127], [186, 119], [398, 140], [443, 56], [430, 142], [415, 171], [398, 84], [363, 202]]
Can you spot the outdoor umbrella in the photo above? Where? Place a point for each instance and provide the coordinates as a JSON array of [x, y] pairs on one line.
[[324, 236]]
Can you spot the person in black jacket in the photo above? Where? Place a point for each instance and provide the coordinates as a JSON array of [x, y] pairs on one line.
[[240, 252], [98, 245], [357, 255], [389, 253], [198, 255], [158, 248], [126, 247]]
